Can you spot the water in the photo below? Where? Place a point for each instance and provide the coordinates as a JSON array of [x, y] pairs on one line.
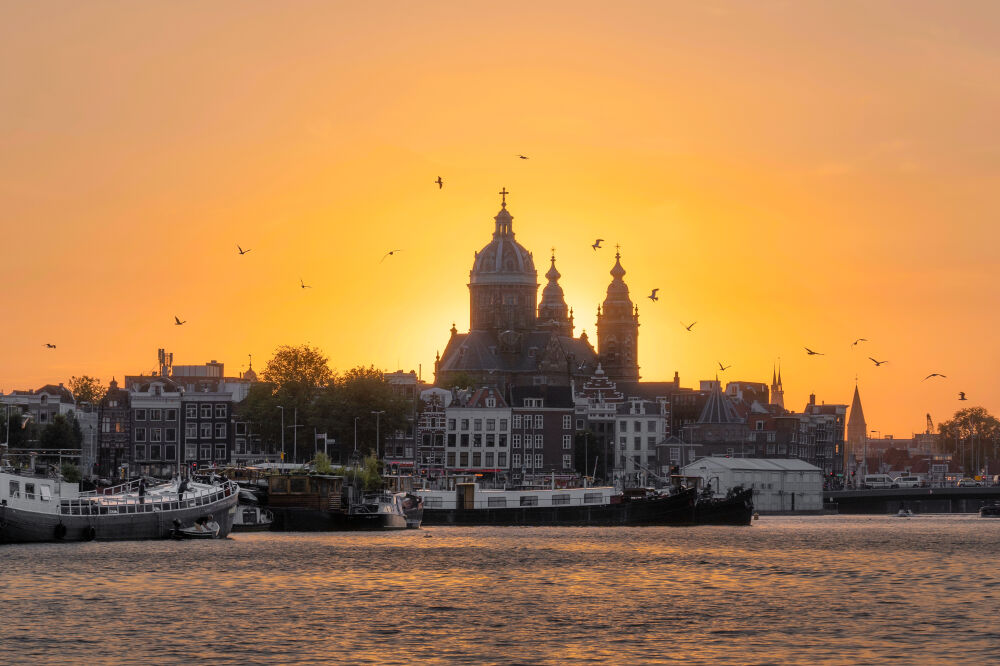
[[832, 589]]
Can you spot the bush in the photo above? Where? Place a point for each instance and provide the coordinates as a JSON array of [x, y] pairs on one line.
[[71, 473]]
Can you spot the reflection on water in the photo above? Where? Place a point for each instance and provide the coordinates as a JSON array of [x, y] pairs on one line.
[[817, 589]]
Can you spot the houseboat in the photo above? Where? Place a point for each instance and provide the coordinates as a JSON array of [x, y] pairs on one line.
[[320, 502], [35, 508]]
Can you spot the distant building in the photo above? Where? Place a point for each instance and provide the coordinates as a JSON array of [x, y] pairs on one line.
[[42, 404], [478, 433], [114, 443], [779, 485], [857, 429], [542, 431]]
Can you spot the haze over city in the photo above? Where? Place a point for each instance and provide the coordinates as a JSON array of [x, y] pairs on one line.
[[788, 175]]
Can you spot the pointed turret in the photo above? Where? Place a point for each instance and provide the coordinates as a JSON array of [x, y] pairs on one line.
[[552, 310], [618, 329], [857, 429], [777, 390]]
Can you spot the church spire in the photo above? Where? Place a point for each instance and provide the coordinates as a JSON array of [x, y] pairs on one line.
[[552, 310], [618, 328]]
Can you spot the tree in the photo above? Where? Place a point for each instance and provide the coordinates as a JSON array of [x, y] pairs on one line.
[[87, 389], [21, 431], [302, 365], [70, 472], [970, 436], [59, 434]]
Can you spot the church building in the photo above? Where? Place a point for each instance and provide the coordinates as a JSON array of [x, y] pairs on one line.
[[515, 340]]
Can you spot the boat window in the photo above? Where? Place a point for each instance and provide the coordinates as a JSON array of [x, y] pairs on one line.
[[591, 498], [529, 500], [29, 491], [560, 499], [433, 503], [298, 485], [45, 492], [496, 502], [15, 488], [279, 485]]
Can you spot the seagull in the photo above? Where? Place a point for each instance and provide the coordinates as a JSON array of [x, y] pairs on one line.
[[439, 182], [653, 296], [178, 322], [389, 254], [242, 251], [523, 157], [50, 345], [688, 326], [597, 244], [304, 285], [855, 343], [877, 363], [933, 374], [812, 353], [961, 395], [723, 368]]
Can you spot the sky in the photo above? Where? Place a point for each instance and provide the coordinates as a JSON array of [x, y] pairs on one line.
[[788, 174]]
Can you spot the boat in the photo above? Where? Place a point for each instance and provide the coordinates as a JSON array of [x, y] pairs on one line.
[[413, 509], [904, 513], [204, 527], [321, 502], [735, 508], [38, 508], [252, 518], [990, 510]]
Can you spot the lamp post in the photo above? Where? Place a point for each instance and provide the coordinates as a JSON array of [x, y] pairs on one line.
[[295, 434], [282, 408], [356, 436], [377, 414]]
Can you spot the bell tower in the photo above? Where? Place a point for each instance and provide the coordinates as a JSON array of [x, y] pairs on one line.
[[618, 329]]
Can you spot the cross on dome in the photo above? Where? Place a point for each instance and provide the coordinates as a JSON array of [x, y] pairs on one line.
[[503, 194]]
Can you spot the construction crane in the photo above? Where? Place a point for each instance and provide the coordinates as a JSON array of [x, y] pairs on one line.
[[930, 425]]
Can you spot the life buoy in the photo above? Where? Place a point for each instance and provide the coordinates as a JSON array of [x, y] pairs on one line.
[[60, 531], [89, 533]]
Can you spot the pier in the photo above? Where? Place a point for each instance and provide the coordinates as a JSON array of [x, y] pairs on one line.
[[918, 500]]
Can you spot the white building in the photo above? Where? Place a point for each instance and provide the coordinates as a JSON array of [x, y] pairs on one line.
[[780, 484], [478, 433], [639, 426]]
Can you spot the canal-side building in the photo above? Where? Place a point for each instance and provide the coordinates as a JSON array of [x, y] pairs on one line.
[[478, 433]]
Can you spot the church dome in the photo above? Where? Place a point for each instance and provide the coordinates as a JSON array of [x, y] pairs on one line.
[[503, 260]]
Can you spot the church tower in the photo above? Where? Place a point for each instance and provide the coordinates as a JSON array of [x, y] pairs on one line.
[[857, 429], [618, 330], [503, 283], [777, 390], [552, 311]]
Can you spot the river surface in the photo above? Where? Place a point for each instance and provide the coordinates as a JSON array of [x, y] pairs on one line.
[[826, 589]]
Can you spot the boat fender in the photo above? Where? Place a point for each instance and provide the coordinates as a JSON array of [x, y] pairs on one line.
[[89, 533], [60, 531]]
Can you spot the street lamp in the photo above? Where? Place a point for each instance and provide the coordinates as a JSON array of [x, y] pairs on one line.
[[282, 408], [377, 414], [356, 435]]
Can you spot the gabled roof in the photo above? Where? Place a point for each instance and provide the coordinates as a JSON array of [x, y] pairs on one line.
[[65, 395], [754, 464]]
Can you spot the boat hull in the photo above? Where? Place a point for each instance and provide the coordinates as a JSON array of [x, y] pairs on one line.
[[736, 509], [288, 519], [21, 526]]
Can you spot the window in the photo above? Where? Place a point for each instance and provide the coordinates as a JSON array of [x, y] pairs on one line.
[[637, 443], [539, 442], [140, 452], [650, 442], [477, 425], [106, 424], [220, 451], [489, 459], [220, 430], [156, 415], [465, 424], [562, 498], [516, 460], [140, 415], [241, 428], [623, 426], [171, 435], [45, 492], [465, 440], [15, 488], [155, 435], [496, 502], [491, 424], [621, 442], [503, 439], [770, 449], [154, 452], [675, 455], [503, 424], [517, 420], [502, 459], [463, 459], [567, 463], [220, 411], [592, 498], [171, 415], [190, 452], [516, 441], [169, 452], [206, 430], [491, 402], [477, 440], [567, 421], [205, 452], [206, 411], [538, 460], [451, 439], [770, 436], [29, 490], [451, 424], [191, 411], [140, 434], [567, 441], [451, 459], [579, 424], [760, 425], [539, 421], [491, 439], [477, 459], [529, 500], [191, 431]]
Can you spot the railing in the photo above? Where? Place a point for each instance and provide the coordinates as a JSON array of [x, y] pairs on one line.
[[118, 505], [113, 490]]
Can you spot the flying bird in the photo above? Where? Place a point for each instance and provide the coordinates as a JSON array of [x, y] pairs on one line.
[[813, 353], [50, 345], [439, 182], [304, 285], [688, 326], [653, 297], [855, 343], [523, 157], [597, 244], [723, 368], [388, 254], [242, 251], [961, 395], [933, 374], [178, 322], [877, 363]]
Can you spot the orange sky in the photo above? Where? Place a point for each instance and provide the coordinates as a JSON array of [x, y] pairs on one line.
[[787, 173]]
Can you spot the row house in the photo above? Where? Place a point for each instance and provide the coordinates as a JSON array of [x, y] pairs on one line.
[[542, 430], [208, 435], [431, 431], [641, 425], [114, 440], [43, 404], [155, 409], [478, 433], [398, 447]]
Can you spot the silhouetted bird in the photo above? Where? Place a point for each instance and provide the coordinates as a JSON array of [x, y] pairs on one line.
[[388, 254], [439, 182], [961, 395], [652, 296], [723, 368], [523, 157], [304, 285], [242, 251], [855, 343], [50, 345], [933, 374], [877, 363], [597, 244], [813, 353], [688, 326], [178, 322]]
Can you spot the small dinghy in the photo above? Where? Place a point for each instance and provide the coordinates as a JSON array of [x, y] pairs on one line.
[[203, 528]]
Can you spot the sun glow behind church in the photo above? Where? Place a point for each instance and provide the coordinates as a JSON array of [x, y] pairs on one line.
[[787, 175]]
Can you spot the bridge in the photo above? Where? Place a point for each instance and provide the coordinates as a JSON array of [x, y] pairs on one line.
[[918, 500]]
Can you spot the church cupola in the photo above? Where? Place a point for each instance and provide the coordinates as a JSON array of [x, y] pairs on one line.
[[618, 329], [552, 310]]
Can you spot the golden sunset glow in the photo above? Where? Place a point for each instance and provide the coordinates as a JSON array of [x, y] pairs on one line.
[[788, 174]]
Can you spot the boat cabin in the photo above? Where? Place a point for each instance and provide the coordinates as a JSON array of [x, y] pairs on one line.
[[321, 492]]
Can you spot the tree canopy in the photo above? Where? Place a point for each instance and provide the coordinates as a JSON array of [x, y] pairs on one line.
[[61, 433], [967, 434], [87, 389], [302, 365]]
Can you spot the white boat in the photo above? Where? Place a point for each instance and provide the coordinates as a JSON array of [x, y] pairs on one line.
[[34, 508], [252, 518]]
